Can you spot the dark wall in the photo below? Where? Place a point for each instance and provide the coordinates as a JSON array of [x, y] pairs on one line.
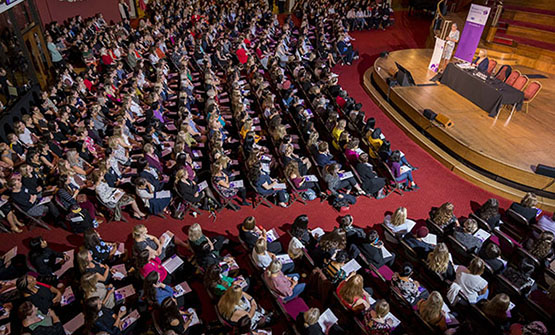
[[56, 10]]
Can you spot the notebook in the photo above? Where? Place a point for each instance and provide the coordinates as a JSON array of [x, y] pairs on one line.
[[327, 318], [236, 184], [67, 297], [124, 292], [172, 263], [66, 265], [317, 232], [311, 177], [284, 258], [346, 175], [129, 319], [120, 271], [168, 236], [272, 235], [181, 289], [431, 239], [351, 266]]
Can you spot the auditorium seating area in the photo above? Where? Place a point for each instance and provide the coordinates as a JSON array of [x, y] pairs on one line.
[[220, 170]]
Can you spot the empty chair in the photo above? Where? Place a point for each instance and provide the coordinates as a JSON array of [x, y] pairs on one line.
[[512, 77], [520, 82], [491, 66], [530, 92], [504, 72]]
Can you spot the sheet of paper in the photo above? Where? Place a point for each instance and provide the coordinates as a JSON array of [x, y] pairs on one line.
[[129, 319], [168, 236], [482, 234], [74, 324], [67, 297], [280, 186], [410, 225], [351, 266], [327, 318], [431, 239], [345, 175], [124, 292], [193, 315], [66, 265], [317, 232], [284, 258], [120, 271], [163, 194], [181, 289], [236, 184], [404, 169], [45, 200], [271, 235], [385, 252], [395, 322], [202, 186], [10, 254], [172, 263], [311, 177]]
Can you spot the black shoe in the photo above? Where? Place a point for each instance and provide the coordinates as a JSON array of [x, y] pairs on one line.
[[414, 168], [245, 203]]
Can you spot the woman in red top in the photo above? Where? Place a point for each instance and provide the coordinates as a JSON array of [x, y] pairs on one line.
[[242, 55], [147, 262], [353, 294]]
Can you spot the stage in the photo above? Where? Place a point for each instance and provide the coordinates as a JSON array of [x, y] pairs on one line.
[[496, 155]]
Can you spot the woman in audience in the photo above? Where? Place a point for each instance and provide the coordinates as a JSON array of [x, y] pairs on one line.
[[86, 264], [371, 183], [154, 291], [217, 282], [398, 222], [197, 238], [287, 287], [375, 252], [188, 190], [240, 309], [102, 319], [497, 309], [444, 216], [466, 236], [174, 319], [34, 322], [431, 311], [142, 240], [301, 183], [527, 207], [115, 198], [402, 171], [101, 251], [93, 288], [341, 188], [307, 324], [375, 321], [439, 261], [250, 233], [260, 254], [45, 260], [156, 202], [353, 295], [223, 183], [409, 288], [489, 212], [331, 243], [42, 296], [473, 286], [491, 254], [266, 185], [333, 269], [146, 263], [521, 275]]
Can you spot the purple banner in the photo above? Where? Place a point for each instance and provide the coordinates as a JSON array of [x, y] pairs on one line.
[[472, 32]]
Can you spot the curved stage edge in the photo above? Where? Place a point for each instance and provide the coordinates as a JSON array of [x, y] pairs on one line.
[[503, 177]]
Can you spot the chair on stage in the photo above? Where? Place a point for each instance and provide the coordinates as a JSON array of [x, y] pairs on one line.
[[520, 82], [530, 92], [504, 72], [513, 77], [491, 66]]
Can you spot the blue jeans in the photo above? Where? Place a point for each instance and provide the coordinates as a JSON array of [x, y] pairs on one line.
[[483, 296], [297, 290], [407, 175]]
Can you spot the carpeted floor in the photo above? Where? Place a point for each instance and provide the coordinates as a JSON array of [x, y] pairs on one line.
[[437, 183]]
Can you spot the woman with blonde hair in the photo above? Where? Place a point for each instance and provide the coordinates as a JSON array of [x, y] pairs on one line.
[[93, 288], [353, 295], [496, 309], [375, 322], [197, 239], [444, 216], [142, 240], [431, 310], [398, 222], [86, 264], [527, 207], [287, 287], [466, 236], [439, 261], [241, 310]]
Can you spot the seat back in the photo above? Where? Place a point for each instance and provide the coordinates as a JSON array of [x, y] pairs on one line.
[[491, 66], [520, 82], [532, 90], [512, 77], [435, 228], [503, 72], [517, 218]]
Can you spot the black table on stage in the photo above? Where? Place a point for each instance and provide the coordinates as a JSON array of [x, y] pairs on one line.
[[488, 95]]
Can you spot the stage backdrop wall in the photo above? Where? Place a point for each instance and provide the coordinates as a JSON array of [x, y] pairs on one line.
[[56, 10]]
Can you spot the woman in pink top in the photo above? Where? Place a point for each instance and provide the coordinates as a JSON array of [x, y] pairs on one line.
[[147, 262], [287, 287]]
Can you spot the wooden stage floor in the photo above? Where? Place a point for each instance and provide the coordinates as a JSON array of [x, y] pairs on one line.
[[507, 151]]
